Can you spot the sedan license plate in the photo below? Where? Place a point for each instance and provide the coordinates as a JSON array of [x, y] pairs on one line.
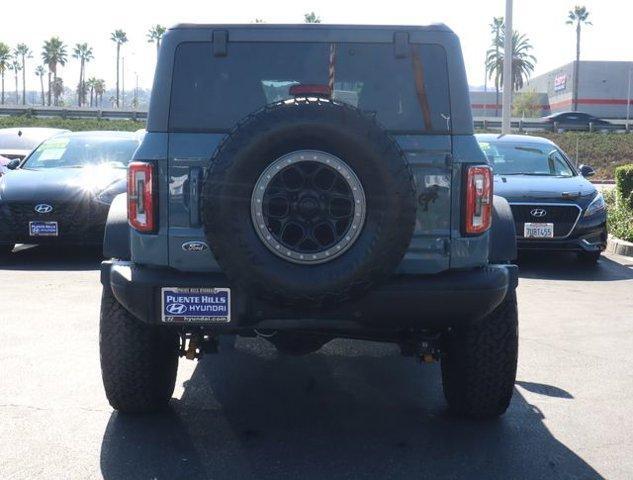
[[538, 230], [43, 229], [202, 305]]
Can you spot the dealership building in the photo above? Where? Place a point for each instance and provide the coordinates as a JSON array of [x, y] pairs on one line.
[[604, 90]]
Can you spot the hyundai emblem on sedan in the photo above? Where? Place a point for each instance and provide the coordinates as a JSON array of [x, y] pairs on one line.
[[43, 208], [538, 212]]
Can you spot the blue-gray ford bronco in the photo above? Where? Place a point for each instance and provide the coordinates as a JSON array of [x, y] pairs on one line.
[[302, 183]]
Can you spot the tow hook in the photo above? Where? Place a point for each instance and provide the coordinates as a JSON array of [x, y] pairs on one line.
[[426, 348], [194, 345]]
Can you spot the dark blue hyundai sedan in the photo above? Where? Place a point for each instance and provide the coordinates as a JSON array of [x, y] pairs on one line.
[[554, 206]]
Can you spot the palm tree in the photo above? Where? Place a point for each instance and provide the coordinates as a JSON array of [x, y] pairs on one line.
[[522, 61], [58, 89], [84, 53], [5, 59], [24, 52], [496, 27], [578, 16], [53, 54], [119, 37], [155, 35], [100, 88], [311, 18], [90, 85], [40, 71], [16, 67]]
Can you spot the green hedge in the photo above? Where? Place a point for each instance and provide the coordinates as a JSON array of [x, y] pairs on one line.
[[624, 184], [619, 217], [74, 124]]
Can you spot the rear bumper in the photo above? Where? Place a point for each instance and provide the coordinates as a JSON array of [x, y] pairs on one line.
[[404, 302]]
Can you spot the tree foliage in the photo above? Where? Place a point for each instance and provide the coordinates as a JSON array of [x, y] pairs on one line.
[[526, 104], [523, 61], [155, 35], [311, 18]]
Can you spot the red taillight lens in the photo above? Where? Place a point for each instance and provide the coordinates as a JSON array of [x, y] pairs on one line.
[[140, 196], [478, 199]]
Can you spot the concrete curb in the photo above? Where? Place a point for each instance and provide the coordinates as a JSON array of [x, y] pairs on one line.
[[619, 247]]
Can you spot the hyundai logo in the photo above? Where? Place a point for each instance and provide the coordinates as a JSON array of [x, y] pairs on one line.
[[176, 308], [538, 212], [43, 208]]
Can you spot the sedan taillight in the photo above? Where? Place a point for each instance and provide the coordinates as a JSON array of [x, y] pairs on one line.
[[478, 200], [141, 205]]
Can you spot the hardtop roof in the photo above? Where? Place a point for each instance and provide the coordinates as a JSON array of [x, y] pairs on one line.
[[434, 27]]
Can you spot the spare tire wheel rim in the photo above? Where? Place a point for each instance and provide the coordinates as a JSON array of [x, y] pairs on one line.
[[308, 207]]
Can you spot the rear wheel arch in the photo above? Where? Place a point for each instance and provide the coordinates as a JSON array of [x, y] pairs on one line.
[[116, 238], [502, 235]]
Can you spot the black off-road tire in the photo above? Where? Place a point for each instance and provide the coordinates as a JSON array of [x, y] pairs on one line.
[[297, 344], [589, 258], [326, 126], [480, 361], [138, 361]]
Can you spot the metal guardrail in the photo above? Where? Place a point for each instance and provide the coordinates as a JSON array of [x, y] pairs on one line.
[[72, 112], [526, 125]]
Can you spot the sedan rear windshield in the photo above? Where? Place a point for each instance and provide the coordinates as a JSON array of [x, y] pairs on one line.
[[516, 159], [408, 93], [81, 151]]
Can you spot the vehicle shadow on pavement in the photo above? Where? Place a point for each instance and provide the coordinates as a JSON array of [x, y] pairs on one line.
[[566, 266], [367, 413], [50, 258]]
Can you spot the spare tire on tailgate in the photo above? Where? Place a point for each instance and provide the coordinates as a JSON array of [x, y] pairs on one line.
[[308, 201]]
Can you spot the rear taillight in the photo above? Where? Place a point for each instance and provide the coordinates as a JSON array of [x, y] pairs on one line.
[[478, 200], [141, 205]]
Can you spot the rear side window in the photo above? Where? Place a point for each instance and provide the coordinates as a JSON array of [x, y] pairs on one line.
[[408, 94]]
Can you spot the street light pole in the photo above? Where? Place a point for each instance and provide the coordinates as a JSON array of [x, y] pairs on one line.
[[506, 107], [628, 98]]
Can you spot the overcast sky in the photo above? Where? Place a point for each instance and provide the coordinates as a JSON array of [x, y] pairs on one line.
[[543, 21]]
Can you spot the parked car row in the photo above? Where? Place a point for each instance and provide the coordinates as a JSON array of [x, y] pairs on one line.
[[62, 184], [61, 191]]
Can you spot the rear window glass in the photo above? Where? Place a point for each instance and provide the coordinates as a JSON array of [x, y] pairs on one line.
[[405, 94]]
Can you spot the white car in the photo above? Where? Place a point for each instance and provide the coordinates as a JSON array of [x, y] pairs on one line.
[[17, 143]]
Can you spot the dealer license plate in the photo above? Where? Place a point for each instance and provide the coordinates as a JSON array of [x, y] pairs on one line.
[[203, 305], [43, 229], [538, 230]]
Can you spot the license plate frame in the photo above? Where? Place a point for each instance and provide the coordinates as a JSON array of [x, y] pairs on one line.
[[47, 228], [538, 230], [195, 305]]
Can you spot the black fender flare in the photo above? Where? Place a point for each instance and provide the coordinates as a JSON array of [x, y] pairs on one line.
[[503, 241], [116, 239]]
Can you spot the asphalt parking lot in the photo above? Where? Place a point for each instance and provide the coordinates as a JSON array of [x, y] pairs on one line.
[[353, 410]]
